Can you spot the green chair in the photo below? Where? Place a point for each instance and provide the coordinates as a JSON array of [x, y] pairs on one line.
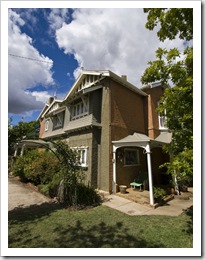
[[139, 180]]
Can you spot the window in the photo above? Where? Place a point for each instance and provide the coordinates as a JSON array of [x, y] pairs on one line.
[[82, 153], [131, 157], [80, 109], [58, 121], [162, 119], [46, 125]]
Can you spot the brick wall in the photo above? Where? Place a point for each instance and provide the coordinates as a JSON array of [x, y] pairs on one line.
[[128, 115], [153, 121], [127, 174], [127, 112], [42, 128]]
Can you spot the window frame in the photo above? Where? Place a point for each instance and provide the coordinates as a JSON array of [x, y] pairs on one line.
[[80, 109], [47, 125], [162, 121], [162, 118], [83, 152], [136, 162], [59, 117]]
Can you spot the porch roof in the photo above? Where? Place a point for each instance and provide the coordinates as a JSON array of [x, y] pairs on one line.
[[164, 137], [138, 139], [31, 143]]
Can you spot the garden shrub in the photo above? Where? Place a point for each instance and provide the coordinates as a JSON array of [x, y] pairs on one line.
[[159, 193], [57, 174], [86, 195], [37, 167], [18, 169]]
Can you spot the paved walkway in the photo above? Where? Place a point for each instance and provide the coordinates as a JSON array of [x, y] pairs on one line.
[[173, 208], [21, 195]]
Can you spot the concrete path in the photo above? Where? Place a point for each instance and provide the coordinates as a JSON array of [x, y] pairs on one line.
[[20, 195], [173, 208]]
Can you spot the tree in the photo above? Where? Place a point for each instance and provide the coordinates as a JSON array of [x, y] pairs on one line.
[[177, 68], [21, 131], [173, 22]]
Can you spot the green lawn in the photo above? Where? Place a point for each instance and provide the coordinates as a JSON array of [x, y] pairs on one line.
[[50, 226]]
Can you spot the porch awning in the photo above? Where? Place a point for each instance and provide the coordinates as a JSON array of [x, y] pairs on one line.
[[31, 143], [145, 142], [164, 137], [138, 139]]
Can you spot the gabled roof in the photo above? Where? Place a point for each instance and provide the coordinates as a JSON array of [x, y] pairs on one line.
[[84, 82], [47, 107], [42, 111], [155, 85], [90, 80]]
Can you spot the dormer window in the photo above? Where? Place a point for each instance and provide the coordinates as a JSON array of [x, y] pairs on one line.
[[58, 121], [80, 109]]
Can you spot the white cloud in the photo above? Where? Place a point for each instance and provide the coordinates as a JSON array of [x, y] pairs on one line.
[[24, 73], [41, 96], [114, 39], [56, 17]]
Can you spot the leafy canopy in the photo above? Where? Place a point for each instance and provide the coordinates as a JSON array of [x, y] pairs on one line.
[[172, 22], [21, 131], [175, 67]]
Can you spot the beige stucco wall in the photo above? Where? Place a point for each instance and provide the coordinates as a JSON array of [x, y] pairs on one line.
[[104, 180], [83, 139]]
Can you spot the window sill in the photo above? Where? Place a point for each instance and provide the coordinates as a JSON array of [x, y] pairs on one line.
[[131, 165], [78, 117]]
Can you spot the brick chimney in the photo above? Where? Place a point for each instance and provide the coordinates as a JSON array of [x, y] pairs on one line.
[[124, 77]]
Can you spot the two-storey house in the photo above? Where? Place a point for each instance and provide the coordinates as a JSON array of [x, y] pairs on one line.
[[113, 125]]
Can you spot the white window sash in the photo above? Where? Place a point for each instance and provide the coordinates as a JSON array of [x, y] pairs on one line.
[[46, 125], [80, 109], [83, 153]]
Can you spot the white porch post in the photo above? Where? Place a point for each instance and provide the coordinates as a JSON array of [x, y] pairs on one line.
[[22, 149], [114, 168], [16, 150], [150, 174]]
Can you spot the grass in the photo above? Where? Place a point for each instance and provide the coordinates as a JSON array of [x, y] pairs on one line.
[[49, 226]]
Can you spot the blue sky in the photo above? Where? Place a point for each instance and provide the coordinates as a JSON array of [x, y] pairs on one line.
[[48, 47]]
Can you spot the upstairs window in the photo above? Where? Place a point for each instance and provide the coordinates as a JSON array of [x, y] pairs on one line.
[[80, 109], [46, 125], [162, 118], [58, 120], [162, 121]]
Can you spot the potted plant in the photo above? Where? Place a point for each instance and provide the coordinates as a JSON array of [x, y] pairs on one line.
[[183, 185], [123, 188], [159, 194], [171, 188]]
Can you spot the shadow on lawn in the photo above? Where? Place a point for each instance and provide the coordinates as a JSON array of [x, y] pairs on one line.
[[100, 236], [77, 235], [32, 212], [189, 212]]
